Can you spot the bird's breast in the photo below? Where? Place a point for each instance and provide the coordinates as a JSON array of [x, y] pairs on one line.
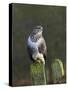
[[31, 43]]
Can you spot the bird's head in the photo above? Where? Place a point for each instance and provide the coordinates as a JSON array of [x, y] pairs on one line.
[[37, 31]]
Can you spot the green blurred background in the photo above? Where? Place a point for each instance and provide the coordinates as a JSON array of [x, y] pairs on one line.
[[24, 18]]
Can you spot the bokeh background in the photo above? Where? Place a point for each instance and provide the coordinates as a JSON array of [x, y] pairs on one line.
[[24, 18]]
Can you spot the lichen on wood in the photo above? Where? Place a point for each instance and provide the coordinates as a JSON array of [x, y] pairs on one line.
[[38, 74]]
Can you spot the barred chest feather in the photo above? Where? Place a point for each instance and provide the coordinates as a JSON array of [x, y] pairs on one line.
[[36, 45]]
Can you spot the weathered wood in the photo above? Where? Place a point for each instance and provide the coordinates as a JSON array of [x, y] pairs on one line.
[[38, 74], [57, 70]]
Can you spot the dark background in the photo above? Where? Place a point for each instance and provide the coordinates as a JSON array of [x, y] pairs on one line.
[[24, 18]]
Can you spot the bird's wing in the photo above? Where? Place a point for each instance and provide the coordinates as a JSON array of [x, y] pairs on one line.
[[42, 47]]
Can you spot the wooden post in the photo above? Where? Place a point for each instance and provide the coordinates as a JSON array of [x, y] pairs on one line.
[[57, 71], [38, 74]]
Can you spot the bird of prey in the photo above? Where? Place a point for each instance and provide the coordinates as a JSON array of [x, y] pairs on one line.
[[36, 45]]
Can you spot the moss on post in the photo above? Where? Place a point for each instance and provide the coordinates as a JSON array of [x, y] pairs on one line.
[[57, 70], [38, 74]]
